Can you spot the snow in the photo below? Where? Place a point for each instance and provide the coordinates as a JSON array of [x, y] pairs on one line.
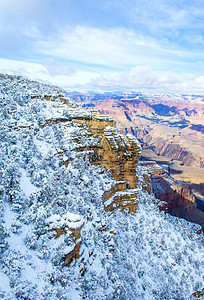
[[4, 281], [29, 260], [9, 216], [120, 193], [26, 186], [71, 220], [74, 294], [71, 217], [142, 255], [85, 179]]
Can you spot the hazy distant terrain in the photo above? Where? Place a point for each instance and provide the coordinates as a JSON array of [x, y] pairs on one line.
[[170, 126]]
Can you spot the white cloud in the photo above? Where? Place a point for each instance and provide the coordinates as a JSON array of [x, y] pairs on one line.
[[166, 16], [55, 69], [144, 78], [63, 77], [141, 78], [114, 48]]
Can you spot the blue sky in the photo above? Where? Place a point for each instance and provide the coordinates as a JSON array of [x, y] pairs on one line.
[[105, 45]]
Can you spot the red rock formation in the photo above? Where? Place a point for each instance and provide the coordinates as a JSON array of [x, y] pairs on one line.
[[173, 194]]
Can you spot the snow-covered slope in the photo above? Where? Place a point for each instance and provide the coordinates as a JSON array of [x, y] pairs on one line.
[[57, 241]]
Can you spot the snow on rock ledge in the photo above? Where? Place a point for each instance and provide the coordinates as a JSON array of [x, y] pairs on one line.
[[70, 220]]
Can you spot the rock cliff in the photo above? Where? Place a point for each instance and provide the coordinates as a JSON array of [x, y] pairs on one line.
[[175, 196], [118, 154], [77, 216]]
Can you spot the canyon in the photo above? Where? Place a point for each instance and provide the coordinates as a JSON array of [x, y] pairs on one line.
[[169, 128], [172, 127], [78, 216]]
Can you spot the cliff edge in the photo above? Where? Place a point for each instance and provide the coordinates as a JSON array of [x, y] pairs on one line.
[[77, 216]]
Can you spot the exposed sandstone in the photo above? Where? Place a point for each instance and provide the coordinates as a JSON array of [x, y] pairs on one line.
[[118, 155]]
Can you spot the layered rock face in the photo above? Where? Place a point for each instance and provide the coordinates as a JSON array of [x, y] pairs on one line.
[[174, 194], [117, 154], [175, 197], [171, 126], [173, 146]]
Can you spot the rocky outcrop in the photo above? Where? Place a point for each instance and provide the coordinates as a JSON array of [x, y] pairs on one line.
[[174, 196], [68, 183], [117, 154], [107, 148], [70, 225]]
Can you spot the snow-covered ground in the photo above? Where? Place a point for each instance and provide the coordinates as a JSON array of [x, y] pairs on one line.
[[143, 255]]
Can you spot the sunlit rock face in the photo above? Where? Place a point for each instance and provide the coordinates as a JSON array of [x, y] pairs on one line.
[[120, 156], [77, 221], [117, 154]]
